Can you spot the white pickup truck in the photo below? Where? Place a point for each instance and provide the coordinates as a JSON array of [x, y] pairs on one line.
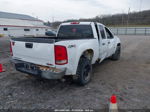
[[75, 48]]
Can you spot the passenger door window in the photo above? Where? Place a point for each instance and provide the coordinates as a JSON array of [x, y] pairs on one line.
[[109, 34], [102, 32]]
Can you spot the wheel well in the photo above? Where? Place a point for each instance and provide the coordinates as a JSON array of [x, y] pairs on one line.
[[88, 53], [118, 44]]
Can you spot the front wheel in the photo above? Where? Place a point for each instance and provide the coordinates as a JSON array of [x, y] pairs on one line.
[[84, 71], [116, 55]]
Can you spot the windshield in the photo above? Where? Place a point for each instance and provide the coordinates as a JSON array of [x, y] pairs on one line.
[[75, 31]]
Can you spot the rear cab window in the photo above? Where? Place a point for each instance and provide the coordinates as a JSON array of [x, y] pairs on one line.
[[75, 31]]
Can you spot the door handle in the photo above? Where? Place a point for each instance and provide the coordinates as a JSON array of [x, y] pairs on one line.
[[103, 43], [29, 45]]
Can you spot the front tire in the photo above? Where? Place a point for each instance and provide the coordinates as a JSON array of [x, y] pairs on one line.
[[116, 55], [84, 71]]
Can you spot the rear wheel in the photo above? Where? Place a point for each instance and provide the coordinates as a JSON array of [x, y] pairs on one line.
[[84, 71], [116, 55]]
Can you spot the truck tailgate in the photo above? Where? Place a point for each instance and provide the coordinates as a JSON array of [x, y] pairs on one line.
[[36, 52]]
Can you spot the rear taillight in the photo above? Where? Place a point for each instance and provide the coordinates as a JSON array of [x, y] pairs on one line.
[[61, 56], [11, 44]]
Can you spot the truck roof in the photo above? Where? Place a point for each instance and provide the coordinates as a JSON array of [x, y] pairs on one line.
[[81, 23]]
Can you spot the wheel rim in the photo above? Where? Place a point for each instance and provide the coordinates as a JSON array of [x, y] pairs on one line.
[[86, 73]]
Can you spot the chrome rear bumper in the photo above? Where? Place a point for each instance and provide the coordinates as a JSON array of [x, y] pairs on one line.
[[35, 70]]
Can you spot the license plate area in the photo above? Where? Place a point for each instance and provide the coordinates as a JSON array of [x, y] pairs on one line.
[[29, 66]]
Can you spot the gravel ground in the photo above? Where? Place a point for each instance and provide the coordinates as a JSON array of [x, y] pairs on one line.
[[128, 78]]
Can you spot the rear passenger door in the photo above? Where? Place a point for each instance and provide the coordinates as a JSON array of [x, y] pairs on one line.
[[103, 43], [110, 42]]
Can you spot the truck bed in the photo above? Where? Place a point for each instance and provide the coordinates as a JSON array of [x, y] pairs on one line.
[[36, 39]]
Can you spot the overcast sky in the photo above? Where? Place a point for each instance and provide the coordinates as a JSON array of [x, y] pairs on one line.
[[69, 9]]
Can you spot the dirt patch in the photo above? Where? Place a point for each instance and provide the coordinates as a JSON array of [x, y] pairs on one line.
[[128, 78]]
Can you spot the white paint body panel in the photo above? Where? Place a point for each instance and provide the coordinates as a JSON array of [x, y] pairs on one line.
[[41, 54]]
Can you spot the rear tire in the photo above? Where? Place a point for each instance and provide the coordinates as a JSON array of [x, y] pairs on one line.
[[84, 72], [116, 55]]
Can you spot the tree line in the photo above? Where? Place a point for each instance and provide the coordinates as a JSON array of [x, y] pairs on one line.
[[141, 18]]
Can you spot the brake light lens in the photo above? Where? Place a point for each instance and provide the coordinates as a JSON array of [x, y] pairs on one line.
[[11, 44], [61, 56], [75, 22]]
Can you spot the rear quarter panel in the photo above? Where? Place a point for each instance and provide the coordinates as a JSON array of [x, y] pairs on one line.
[[75, 49]]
